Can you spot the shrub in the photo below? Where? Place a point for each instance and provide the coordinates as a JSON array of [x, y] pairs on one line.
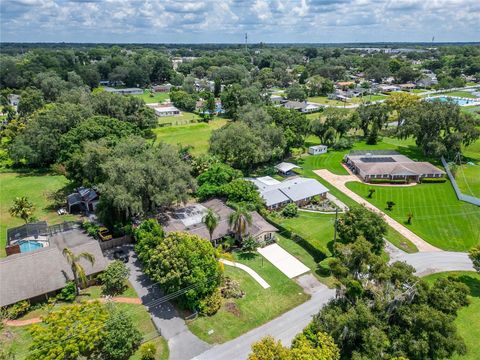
[[324, 266], [249, 244], [343, 143], [68, 293], [231, 289], [148, 351], [433, 180], [114, 278], [18, 309], [211, 304], [90, 228], [289, 211], [386, 181]]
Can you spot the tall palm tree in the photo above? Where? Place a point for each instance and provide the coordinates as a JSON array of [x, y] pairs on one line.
[[211, 222], [239, 220], [22, 208], [78, 271]]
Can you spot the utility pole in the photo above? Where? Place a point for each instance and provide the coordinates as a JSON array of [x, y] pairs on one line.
[[246, 42]]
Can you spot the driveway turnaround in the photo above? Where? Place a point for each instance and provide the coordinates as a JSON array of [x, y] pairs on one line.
[[281, 259], [250, 271], [339, 182]]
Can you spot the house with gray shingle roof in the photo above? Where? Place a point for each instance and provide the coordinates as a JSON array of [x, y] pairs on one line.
[[298, 190]]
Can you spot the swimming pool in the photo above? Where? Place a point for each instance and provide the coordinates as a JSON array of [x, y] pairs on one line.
[[456, 100], [26, 246]]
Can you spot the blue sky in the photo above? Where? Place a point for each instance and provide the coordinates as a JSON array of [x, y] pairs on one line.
[[226, 21]]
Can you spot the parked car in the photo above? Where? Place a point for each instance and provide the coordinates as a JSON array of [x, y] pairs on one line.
[[104, 234], [121, 255]]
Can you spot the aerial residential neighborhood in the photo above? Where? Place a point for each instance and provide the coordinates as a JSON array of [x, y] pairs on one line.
[[241, 180]]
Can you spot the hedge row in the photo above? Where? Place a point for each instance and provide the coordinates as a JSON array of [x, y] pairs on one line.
[[386, 181], [433, 180]]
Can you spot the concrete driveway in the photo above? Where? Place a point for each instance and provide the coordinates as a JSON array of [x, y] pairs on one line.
[[281, 259]]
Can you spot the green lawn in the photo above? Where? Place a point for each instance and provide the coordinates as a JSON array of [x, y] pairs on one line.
[[326, 101], [464, 94], [39, 189], [468, 179], [150, 97], [468, 319], [438, 216], [237, 316], [418, 91], [184, 119], [373, 97], [196, 135]]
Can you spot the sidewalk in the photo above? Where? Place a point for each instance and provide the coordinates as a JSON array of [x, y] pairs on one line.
[[248, 270]]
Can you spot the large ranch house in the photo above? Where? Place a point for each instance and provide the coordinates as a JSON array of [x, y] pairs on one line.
[[298, 190], [389, 165]]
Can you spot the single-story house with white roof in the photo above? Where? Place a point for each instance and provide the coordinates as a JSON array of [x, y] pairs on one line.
[[317, 149], [279, 193], [162, 111], [285, 168]]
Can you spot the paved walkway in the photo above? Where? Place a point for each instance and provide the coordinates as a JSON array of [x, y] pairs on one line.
[[283, 260], [250, 271], [339, 182]]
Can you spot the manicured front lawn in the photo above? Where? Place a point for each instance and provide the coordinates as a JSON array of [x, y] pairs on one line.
[[39, 189], [326, 101], [196, 135], [438, 216], [237, 316], [468, 319]]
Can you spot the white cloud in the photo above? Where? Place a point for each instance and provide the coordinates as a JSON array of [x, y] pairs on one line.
[[227, 20]]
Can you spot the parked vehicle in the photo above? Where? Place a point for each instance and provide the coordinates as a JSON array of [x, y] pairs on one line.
[[104, 234], [121, 255]]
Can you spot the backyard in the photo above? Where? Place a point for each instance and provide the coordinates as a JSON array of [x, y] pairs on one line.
[[468, 319], [438, 216], [40, 189], [184, 118], [237, 316], [196, 135], [150, 97]]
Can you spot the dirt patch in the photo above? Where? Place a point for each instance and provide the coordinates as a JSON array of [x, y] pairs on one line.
[[232, 308]]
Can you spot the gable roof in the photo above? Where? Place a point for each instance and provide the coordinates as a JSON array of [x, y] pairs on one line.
[[196, 226], [286, 166], [27, 275], [294, 189]]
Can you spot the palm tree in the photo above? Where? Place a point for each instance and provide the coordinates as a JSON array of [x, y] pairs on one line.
[[211, 222], [239, 220], [78, 271], [22, 208]]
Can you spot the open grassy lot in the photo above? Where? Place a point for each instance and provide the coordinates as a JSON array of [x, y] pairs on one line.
[[464, 94], [468, 179], [237, 316], [367, 98], [196, 135], [41, 189], [438, 216], [183, 119], [325, 100], [468, 319], [150, 97]]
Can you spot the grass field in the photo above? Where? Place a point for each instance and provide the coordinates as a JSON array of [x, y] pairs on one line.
[[237, 316], [196, 135], [183, 119], [39, 189], [438, 216], [360, 99], [326, 101], [468, 179], [150, 97], [464, 94], [468, 319]]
